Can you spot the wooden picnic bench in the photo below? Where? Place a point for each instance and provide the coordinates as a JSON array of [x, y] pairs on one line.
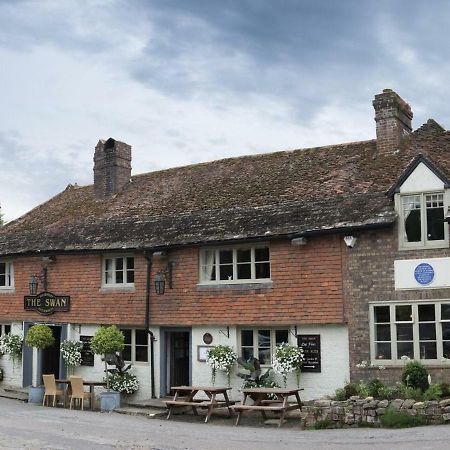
[[269, 399], [185, 396]]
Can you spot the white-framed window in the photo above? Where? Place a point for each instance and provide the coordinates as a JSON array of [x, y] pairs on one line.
[[241, 264], [422, 222], [6, 275], [261, 342], [118, 270], [136, 345], [418, 330], [5, 328]]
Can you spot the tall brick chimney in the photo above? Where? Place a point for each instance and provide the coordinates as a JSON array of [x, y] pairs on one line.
[[112, 167], [393, 121]]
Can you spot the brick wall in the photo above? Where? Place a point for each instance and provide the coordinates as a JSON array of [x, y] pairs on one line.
[[369, 277], [306, 289]]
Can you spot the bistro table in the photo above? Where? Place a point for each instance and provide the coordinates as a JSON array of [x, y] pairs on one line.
[[91, 385], [185, 396], [269, 399]]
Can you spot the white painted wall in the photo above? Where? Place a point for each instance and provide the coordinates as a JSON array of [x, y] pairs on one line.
[[422, 179], [12, 371]]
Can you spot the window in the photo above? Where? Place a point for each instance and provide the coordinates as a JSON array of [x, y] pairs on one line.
[[422, 220], [136, 345], [261, 343], [235, 265], [6, 275], [5, 329], [417, 330], [118, 271]]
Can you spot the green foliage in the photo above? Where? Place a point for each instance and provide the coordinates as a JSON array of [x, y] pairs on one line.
[[324, 424], [40, 337], [434, 392], [107, 340], [415, 375], [400, 419], [374, 387], [350, 390], [255, 378], [445, 388], [340, 395], [362, 389], [409, 392]]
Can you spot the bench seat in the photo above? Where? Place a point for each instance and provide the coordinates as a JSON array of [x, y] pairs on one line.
[[279, 407]]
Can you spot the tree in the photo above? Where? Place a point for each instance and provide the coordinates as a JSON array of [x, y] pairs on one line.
[[1, 217]]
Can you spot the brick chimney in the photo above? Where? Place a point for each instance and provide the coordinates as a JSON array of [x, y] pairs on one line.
[[393, 121], [112, 167]]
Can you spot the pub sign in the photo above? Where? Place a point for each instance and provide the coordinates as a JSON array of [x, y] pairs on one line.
[[310, 343], [46, 303]]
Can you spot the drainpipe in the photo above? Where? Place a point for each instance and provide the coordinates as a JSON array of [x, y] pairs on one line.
[[148, 257]]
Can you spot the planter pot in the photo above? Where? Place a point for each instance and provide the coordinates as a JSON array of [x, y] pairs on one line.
[[109, 401], [36, 394]]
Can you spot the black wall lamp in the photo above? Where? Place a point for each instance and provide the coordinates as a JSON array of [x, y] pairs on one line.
[[42, 277], [162, 276]]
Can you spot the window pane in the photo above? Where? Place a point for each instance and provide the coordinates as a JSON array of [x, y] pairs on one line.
[[446, 331], [119, 277], [382, 350], [445, 311], [247, 338], [244, 255], [426, 313], [126, 353], [405, 349], [3, 268], [263, 338], [446, 349], [2, 279], [264, 355], [130, 276], [141, 353], [403, 313], [262, 270], [141, 337], [262, 254], [411, 212], [428, 350], [281, 336], [7, 329], [225, 256], [427, 331], [127, 335], [404, 332], [435, 216], [208, 273], [119, 263], [247, 352], [382, 314], [130, 263], [226, 272], [244, 271], [383, 332]]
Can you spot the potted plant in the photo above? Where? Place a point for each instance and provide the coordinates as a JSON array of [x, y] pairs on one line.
[[107, 341], [121, 378], [39, 337]]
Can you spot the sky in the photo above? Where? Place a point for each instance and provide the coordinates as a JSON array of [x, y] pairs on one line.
[[187, 81]]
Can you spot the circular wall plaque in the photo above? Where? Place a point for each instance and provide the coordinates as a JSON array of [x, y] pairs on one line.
[[424, 274], [207, 338]]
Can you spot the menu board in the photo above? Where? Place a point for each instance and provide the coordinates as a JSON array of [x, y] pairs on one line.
[[87, 356], [311, 352]]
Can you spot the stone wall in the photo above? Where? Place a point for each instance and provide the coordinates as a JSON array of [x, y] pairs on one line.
[[359, 411]]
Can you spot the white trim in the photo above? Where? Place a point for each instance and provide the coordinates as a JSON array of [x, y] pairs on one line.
[[133, 347], [9, 276], [113, 258]]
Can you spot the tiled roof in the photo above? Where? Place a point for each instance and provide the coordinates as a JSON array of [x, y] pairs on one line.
[[259, 196]]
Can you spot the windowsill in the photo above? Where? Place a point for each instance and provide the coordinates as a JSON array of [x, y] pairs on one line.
[[138, 363], [247, 285], [400, 364], [117, 288], [7, 290], [440, 244]]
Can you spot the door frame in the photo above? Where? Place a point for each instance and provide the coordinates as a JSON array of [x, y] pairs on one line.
[[165, 356]]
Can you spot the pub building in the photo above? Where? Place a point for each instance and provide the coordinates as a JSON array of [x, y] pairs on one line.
[[342, 249]]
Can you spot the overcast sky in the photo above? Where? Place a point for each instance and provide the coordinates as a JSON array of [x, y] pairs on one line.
[[185, 81]]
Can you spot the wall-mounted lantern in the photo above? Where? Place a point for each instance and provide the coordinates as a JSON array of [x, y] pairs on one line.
[[42, 277], [162, 276]]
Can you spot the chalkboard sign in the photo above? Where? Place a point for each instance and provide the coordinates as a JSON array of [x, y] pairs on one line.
[[311, 352], [87, 357]]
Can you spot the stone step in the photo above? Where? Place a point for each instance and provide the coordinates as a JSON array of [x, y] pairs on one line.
[[146, 412]]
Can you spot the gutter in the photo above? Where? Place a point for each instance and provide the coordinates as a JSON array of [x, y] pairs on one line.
[[148, 257]]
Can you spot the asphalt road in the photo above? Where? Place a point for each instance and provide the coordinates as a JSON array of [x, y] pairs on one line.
[[27, 426]]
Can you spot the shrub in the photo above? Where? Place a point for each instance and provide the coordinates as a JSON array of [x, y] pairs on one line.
[[434, 392], [362, 389], [416, 376], [445, 389], [350, 390], [324, 424], [40, 337], [340, 395], [374, 387], [400, 419], [409, 392], [124, 382]]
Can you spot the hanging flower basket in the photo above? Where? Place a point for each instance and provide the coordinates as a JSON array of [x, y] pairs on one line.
[[221, 357], [71, 354], [286, 359], [11, 344]]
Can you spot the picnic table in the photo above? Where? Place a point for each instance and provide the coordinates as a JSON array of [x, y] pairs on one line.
[[91, 385], [269, 399], [186, 396]]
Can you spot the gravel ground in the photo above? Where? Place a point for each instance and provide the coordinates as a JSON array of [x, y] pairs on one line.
[[27, 426]]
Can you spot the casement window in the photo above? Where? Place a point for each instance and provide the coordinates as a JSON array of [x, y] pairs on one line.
[[260, 343], [422, 222], [6, 275], [5, 329], [418, 331], [235, 264], [118, 271], [136, 345]]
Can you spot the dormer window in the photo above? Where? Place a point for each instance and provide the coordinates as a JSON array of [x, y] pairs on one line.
[[423, 220]]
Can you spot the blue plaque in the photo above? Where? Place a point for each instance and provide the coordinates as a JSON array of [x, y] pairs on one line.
[[424, 274]]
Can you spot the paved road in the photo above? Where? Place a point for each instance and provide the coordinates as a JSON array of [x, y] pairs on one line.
[[34, 427]]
